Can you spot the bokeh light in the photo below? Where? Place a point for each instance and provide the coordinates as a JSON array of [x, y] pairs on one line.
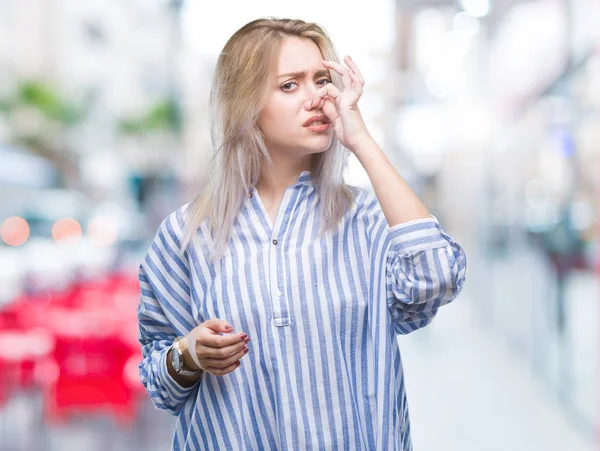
[[102, 231], [14, 231], [66, 230]]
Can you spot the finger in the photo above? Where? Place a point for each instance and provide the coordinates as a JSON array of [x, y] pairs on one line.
[[352, 65], [221, 353], [321, 102], [330, 110], [329, 90], [346, 80], [223, 371], [224, 363], [359, 83], [218, 325], [221, 341], [356, 79]]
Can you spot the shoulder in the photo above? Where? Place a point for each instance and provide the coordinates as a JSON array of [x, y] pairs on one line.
[[172, 226], [164, 263], [368, 218], [366, 205], [164, 250], [168, 239]]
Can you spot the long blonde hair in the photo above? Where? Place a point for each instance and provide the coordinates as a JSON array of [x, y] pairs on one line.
[[244, 73]]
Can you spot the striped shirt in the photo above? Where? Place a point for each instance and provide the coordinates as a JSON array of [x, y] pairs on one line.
[[324, 370]]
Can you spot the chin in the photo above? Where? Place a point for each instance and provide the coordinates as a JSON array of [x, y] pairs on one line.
[[322, 146], [317, 149]]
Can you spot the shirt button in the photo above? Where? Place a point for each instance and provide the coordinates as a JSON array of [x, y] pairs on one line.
[[275, 242], [250, 195], [278, 293]]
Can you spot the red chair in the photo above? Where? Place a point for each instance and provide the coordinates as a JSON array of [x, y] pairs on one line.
[[80, 347], [91, 359], [21, 350], [24, 342]]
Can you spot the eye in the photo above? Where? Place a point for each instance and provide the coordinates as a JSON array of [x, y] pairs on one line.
[[287, 86], [283, 86]]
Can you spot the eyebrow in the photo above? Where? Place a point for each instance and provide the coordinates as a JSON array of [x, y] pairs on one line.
[[303, 73]]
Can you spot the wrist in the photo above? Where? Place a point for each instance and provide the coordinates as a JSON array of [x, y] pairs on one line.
[[188, 360], [177, 361], [184, 381], [361, 144]]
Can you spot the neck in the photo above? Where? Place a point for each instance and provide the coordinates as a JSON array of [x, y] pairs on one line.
[[285, 172]]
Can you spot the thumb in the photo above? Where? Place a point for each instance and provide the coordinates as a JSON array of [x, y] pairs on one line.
[[218, 325], [330, 110]]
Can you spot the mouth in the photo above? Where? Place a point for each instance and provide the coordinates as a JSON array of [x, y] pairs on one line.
[[318, 126], [317, 123]]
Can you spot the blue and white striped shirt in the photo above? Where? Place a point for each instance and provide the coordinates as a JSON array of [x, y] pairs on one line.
[[324, 370]]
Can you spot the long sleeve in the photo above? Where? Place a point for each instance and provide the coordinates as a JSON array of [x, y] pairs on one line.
[[164, 313], [425, 269]]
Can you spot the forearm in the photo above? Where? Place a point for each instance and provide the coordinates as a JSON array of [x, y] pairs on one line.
[[157, 376], [398, 202]]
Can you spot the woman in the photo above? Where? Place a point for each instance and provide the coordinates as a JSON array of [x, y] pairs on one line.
[[319, 275]]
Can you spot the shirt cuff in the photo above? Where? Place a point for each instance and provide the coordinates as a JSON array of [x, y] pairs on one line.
[[177, 392], [416, 236]]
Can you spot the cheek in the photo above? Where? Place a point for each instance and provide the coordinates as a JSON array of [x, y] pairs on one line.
[[280, 116]]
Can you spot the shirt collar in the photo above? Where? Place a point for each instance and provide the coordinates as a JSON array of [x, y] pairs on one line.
[[305, 178]]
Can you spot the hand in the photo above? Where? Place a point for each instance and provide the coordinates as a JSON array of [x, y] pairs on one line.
[[214, 353], [341, 107]]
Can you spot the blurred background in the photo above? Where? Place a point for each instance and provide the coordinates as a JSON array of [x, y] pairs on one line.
[[489, 108]]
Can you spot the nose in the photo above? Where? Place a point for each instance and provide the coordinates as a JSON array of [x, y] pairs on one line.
[[309, 95]]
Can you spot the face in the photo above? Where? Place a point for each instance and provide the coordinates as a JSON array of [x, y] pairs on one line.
[[300, 75]]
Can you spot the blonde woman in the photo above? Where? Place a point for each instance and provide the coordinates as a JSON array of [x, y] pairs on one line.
[[271, 304]]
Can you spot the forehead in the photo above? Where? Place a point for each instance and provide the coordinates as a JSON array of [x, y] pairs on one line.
[[298, 55]]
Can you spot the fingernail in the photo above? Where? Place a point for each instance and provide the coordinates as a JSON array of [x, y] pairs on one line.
[[349, 57], [229, 328], [238, 363], [247, 339], [245, 350], [243, 336]]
